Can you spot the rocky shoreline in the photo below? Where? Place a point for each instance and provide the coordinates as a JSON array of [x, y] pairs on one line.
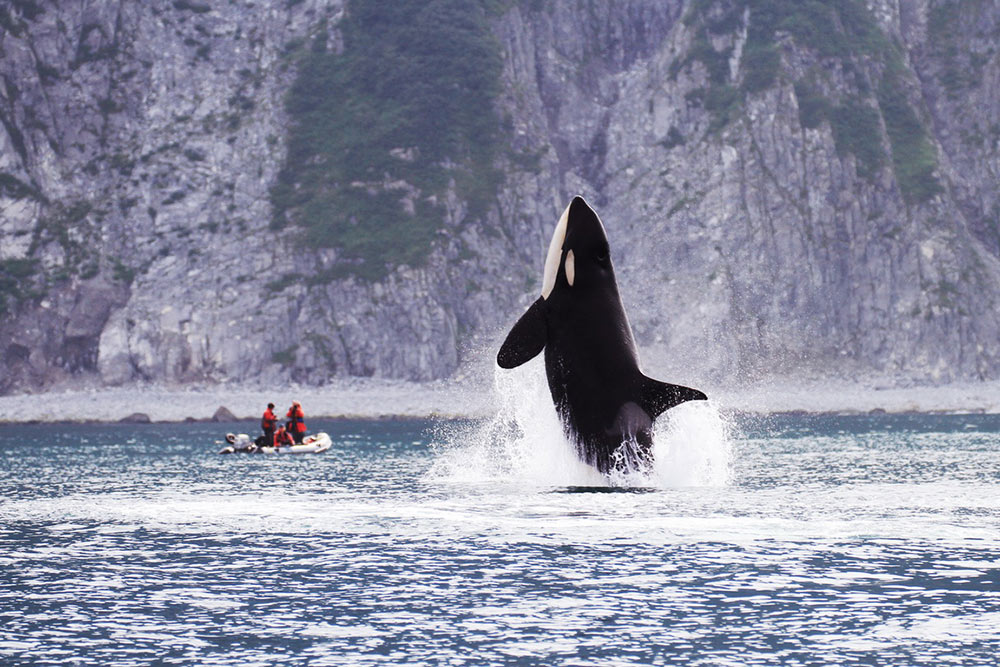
[[388, 399], [352, 399]]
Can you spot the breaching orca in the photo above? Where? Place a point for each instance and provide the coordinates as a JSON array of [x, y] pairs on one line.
[[606, 404]]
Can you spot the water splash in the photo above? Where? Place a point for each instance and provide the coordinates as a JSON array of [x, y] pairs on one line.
[[523, 443], [692, 446]]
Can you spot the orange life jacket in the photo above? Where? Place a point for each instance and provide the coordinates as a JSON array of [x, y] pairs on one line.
[[296, 420], [268, 420], [283, 438]]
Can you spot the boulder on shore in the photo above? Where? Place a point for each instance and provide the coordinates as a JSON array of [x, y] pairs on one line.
[[224, 415], [136, 418]]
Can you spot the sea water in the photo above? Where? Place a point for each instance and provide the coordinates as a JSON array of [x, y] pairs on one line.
[[751, 541]]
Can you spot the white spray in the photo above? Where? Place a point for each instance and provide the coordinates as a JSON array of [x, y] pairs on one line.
[[524, 443]]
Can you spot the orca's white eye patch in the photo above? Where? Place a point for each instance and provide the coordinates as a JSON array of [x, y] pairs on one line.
[[570, 266]]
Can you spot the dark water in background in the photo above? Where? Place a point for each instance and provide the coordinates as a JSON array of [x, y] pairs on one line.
[[826, 540]]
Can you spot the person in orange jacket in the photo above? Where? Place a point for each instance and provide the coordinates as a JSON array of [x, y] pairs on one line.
[[267, 424], [296, 421], [283, 438]]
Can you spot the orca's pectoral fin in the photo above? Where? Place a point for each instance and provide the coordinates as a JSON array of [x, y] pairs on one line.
[[526, 339], [657, 397]]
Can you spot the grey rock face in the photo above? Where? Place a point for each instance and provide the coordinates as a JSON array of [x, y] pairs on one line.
[[760, 249], [139, 142]]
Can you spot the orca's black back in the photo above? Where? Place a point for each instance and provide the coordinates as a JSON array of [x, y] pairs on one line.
[[592, 368]]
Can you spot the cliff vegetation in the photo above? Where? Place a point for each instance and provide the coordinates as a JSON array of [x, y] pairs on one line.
[[382, 129], [842, 32]]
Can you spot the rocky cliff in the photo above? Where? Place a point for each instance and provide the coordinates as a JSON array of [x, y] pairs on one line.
[[792, 189]]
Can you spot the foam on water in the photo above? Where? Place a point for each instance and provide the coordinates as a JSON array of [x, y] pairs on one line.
[[523, 443]]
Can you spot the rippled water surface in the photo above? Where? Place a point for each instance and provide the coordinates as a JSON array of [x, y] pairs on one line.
[[792, 540]]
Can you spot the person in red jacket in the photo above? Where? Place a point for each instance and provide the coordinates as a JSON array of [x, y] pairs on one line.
[[267, 424], [296, 421], [283, 438]]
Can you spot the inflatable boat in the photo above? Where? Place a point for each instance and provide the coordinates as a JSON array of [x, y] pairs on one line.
[[311, 444]]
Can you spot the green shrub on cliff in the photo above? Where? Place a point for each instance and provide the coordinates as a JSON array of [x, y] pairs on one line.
[[837, 30], [380, 130], [914, 157], [14, 277]]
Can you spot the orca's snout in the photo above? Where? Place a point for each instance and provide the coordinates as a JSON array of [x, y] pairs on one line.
[[584, 228], [579, 214], [579, 205]]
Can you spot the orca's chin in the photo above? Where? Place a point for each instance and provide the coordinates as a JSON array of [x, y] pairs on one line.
[[555, 253]]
